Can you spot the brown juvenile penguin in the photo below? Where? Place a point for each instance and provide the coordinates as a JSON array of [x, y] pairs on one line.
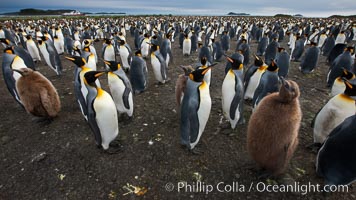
[[272, 133], [182, 82], [37, 93]]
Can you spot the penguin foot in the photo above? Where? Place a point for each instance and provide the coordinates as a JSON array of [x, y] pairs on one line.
[[114, 147], [196, 151]]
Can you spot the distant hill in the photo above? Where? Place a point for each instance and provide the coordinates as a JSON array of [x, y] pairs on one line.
[[283, 16], [342, 16], [32, 11], [237, 14]]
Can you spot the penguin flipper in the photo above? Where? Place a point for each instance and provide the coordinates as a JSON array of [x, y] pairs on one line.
[[194, 125], [93, 124], [125, 97], [236, 101]]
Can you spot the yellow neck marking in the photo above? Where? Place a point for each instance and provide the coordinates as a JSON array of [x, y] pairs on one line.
[[100, 92], [346, 98]]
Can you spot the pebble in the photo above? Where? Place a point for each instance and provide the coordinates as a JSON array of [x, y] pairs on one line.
[[39, 157], [5, 139]]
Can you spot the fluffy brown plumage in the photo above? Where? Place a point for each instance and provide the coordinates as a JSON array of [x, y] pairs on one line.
[[182, 82], [272, 133], [37, 93]]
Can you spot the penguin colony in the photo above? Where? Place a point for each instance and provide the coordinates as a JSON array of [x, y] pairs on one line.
[[276, 116]]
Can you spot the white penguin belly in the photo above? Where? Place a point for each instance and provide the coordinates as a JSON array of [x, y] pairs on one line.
[[124, 54], [252, 85], [91, 62], [186, 47], [156, 66], [332, 114], [144, 49], [33, 51], [203, 111], [338, 87], [45, 55], [167, 59], [106, 118], [228, 93], [109, 54], [117, 89], [57, 45]]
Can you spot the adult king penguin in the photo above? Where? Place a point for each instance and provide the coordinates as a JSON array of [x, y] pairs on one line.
[[272, 132], [50, 55], [310, 59], [195, 109], [120, 88], [336, 110], [138, 73], [343, 61], [102, 114], [158, 63], [282, 61], [38, 95], [21, 52], [232, 93], [32, 49], [125, 55], [333, 161], [252, 77]]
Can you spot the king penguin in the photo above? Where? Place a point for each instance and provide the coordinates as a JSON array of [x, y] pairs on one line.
[[32, 49], [21, 52], [120, 88], [252, 77], [158, 63], [336, 110], [102, 114], [50, 55], [272, 132], [187, 45], [333, 161], [282, 61], [108, 51], [195, 109], [343, 61], [38, 95], [10, 62], [233, 93], [269, 83], [125, 55], [138, 73], [310, 59]]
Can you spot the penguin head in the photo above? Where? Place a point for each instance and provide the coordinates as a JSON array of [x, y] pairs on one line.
[[350, 49], [281, 49], [288, 91], [203, 60], [187, 69], [113, 65], [5, 41], [79, 61], [198, 74], [107, 41], [24, 71], [138, 53], [347, 74], [236, 64], [122, 42], [258, 61], [91, 76], [350, 89], [28, 37], [9, 50], [272, 66]]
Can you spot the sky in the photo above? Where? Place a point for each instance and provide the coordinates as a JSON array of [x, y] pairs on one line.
[[308, 8]]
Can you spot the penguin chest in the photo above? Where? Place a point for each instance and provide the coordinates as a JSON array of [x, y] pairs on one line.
[[338, 87], [124, 54], [17, 63], [186, 47], [253, 83], [204, 107], [156, 66], [106, 117], [91, 62], [117, 89], [45, 54], [109, 53], [228, 93]]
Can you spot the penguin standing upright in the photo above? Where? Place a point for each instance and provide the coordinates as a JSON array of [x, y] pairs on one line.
[[102, 114], [252, 77], [166, 50], [138, 73], [328, 45], [187, 45], [237, 56], [335, 52], [58, 45], [108, 51], [298, 50], [336, 110], [262, 45], [10, 62], [343, 61], [50, 55], [204, 52], [38, 95], [271, 51], [272, 132], [32, 49], [21, 52], [282, 61], [233, 93], [158, 63], [269, 83], [195, 109], [310, 59], [120, 88], [225, 41], [333, 161], [125, 55], [89, 58], [145, 45]]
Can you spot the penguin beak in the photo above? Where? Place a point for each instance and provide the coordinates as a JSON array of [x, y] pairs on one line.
[[100, 74], [347, 83], [284, 82], [18, 71], [229, 59], [107, 62], [206, 70], [69, 58]]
